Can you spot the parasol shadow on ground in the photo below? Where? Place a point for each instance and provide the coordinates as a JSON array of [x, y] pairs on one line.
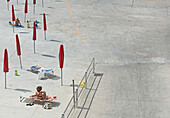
[[17, 10], [55, 40], [22, 90], [51, 7], [45, 14], [50, 76], [58, 1], [47, 55], [23, 32], [35, 72]]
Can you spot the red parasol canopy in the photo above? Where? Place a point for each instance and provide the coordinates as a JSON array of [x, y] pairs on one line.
[[13, 15], [18, 45], [44, 19], [34, 1], [26, 8], [6, 61], [8, 0], [34, 31], [61, 56]]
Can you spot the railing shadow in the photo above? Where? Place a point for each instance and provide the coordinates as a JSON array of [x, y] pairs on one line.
[[82, 84], [87, 97]]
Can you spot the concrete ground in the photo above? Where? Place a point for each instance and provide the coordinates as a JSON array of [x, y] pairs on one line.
[[128, 39]]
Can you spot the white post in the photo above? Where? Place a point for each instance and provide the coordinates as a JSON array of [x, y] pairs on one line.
[[13, 26], [61, 77], [45, 35], [34, 46], [5, 80], [85, 79], [93, 65], [8, 6], [73, 94], [20, 62], [25, 18], [62, 116], [76, 98], [34, 9]]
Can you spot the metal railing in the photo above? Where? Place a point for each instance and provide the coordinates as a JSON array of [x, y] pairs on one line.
[[85, 78]]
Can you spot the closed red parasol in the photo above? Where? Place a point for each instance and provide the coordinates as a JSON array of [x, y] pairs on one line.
[[34, 31], [61, 56], [34, 1], [18, 49], [34, 35], [5, 69], [6, 61], [13, 16], [18, 45], [44, 19], [26, 9], [61, 61], [45, 25]]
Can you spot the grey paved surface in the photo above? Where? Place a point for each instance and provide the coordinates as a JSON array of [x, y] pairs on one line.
[[133, 57], [131, 47]]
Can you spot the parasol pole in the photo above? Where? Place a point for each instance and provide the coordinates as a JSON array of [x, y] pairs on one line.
[[20, 61], [5, 80], [45, 35], [8, 6], [61, 77], [34, 9], [13, 26], [34, 46], [25, 18]]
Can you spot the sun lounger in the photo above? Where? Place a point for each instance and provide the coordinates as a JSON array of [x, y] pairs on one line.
[[35, 68], [42, 72], [48, 98], [40, 69], [32, 99], [19, 26]]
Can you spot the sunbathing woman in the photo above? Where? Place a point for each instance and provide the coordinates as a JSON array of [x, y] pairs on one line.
[[17, 23], [10, 23], [40, 94]]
